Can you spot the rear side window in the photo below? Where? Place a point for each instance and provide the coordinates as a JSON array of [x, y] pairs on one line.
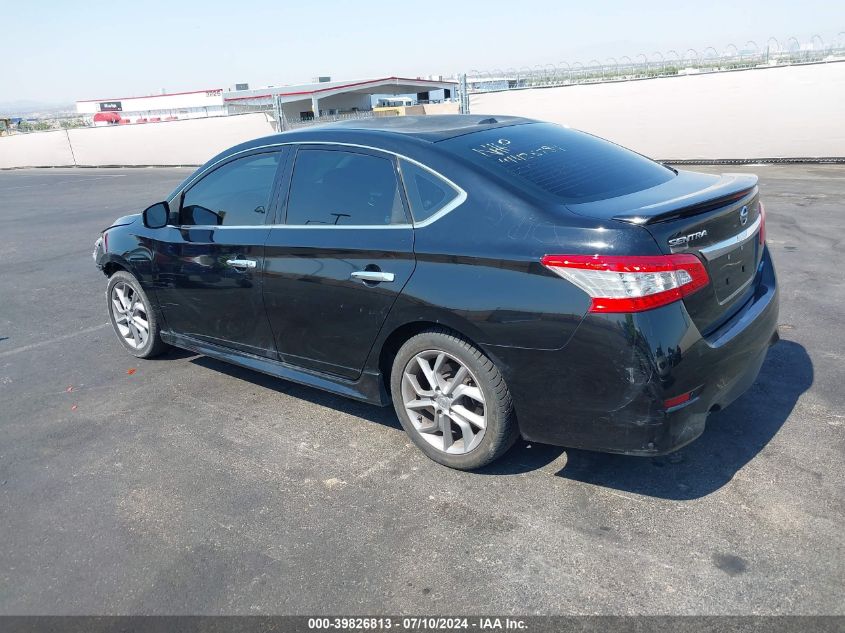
[[236, 194], [342, 188], [568, 165], [427, 193]]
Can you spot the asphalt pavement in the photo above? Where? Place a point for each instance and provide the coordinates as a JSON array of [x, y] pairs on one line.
[[183, 485]]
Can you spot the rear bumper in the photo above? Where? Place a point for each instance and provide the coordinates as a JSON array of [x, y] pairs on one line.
[[605, 390]]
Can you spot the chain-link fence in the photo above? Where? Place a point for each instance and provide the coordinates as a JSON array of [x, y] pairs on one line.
[[287, 124], [248, 108], [773, 52]]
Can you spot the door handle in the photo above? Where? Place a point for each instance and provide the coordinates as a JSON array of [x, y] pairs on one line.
[[372, 276], [242, 263]]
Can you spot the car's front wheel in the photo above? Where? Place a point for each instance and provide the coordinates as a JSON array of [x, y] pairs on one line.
[[452, 400], [132, 316]]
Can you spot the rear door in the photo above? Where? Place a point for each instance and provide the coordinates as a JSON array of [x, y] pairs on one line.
[[208, 268], [337, 258]]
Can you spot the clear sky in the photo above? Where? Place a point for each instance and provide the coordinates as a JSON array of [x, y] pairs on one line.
[[63, 51]]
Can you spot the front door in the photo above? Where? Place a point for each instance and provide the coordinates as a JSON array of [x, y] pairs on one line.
[[208, 269], [335, 267]]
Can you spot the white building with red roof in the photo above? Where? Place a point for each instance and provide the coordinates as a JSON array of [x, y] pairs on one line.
[[298, 102]]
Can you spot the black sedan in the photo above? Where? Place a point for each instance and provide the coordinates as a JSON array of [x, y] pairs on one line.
[[492, 277]]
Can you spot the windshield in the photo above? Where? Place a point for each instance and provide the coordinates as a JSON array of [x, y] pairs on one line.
[[555, 161]]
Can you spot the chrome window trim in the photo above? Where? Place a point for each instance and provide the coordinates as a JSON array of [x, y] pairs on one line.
[[186, 227], [201, 174], [454, 204], [720, 248], [341, 226]]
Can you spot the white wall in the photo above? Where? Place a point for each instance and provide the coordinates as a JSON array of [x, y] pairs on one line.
[[447, 107], [781, 112], [37, 149], [190, 142]]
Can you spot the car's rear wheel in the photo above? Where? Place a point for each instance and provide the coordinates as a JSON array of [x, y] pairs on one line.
[[452, 400], [132, 316]]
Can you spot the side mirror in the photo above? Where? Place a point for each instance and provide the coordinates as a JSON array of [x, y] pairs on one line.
[[156, 216]]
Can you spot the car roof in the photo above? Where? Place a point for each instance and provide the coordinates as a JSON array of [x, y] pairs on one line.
[[432, 128], [375, 130], [404, 134]]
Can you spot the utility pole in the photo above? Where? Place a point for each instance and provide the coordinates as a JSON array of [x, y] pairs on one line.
[[464, 95], [277, 113]]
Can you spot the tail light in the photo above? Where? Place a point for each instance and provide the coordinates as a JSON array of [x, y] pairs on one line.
[[762, 224], [677, 400], [631, 283]]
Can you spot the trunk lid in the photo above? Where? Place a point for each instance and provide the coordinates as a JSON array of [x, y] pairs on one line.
[[716, 218]]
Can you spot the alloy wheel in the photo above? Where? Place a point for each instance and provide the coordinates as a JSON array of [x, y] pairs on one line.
[[444, 402], [130, 315]]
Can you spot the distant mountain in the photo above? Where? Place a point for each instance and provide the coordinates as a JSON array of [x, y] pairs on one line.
[[23, 107]]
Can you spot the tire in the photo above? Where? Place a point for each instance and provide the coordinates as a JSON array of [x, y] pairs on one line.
[[455, 400], [129, 307]]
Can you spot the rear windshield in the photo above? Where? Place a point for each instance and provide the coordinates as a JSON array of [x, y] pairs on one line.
[[569, 165]]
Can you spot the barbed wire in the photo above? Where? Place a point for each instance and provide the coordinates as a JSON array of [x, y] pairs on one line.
[[774, 52]]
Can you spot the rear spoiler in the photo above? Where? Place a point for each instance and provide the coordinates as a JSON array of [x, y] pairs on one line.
[[728, 189]]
